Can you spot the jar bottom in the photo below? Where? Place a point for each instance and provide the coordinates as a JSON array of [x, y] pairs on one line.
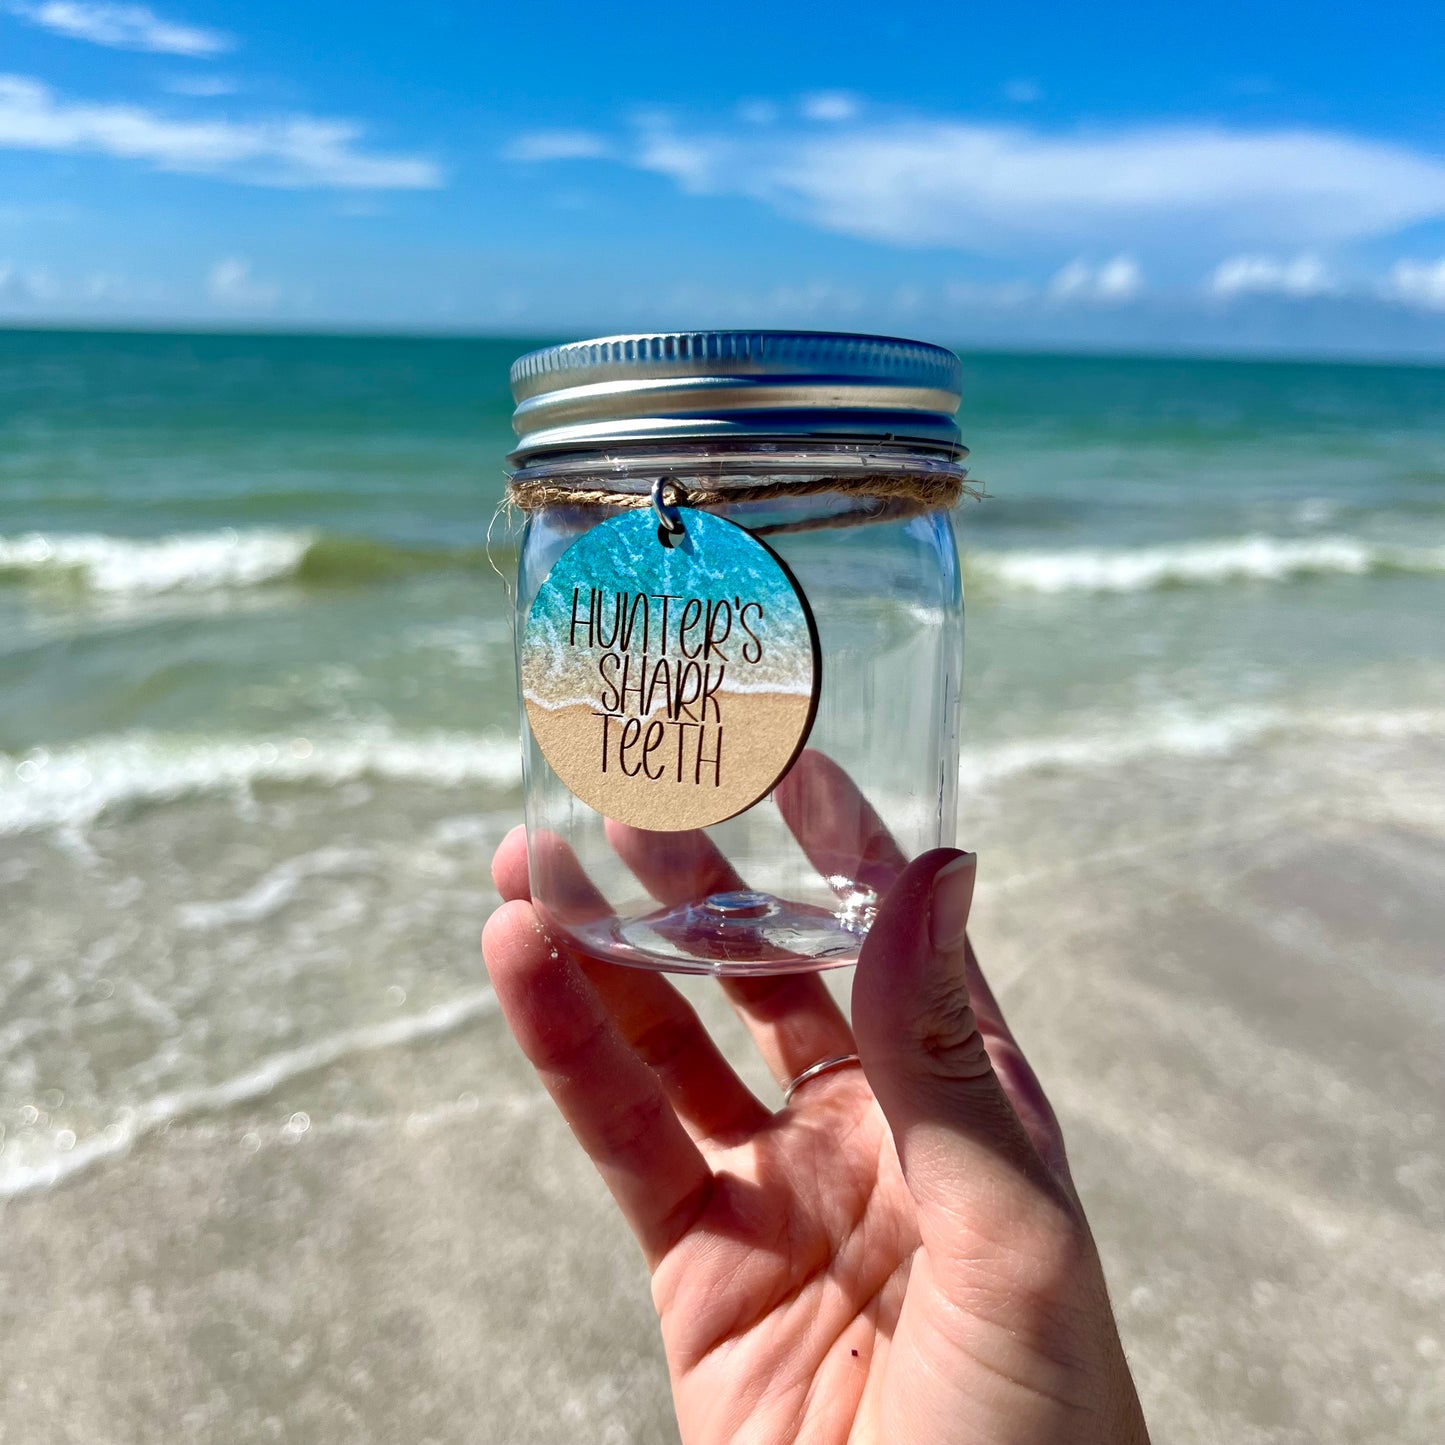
[[732, 933]]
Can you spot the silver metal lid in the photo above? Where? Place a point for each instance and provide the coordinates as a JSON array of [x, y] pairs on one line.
[[746, 385]]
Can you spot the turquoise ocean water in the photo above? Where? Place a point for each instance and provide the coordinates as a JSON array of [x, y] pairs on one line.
[[243, 573], [210, 541], [218, 539]]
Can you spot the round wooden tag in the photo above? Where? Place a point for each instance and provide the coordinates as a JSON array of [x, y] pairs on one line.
[[670, 687]]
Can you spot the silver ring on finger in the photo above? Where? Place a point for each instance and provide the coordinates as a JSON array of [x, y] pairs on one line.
[[838, 1061]]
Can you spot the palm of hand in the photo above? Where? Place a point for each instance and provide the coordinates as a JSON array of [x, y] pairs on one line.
[[778, 1308], [802, 1305]]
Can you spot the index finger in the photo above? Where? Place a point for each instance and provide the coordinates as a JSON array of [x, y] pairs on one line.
[[613, 1102]]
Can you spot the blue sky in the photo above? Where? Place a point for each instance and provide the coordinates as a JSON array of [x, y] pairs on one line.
[[1225, 176]]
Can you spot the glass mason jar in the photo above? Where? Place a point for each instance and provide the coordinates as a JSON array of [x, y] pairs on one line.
[[842, 454]]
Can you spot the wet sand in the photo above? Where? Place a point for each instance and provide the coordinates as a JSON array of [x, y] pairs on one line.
[[1228, 972]]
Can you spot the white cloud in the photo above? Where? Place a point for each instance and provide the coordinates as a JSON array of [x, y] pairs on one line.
[[1076, 278], [103, 286], [107, 291], [231, 283], [976, 185], [204, 87], [830, 105], [38, 290], [1023, 92], [1301, 277], [1119, 279], [693, 165], [1003, 189], [26, 287], [295, 151], [123, 27], [558, 145], [1419, 283]]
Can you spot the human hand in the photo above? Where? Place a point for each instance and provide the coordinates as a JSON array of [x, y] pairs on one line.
[[898, 1255]]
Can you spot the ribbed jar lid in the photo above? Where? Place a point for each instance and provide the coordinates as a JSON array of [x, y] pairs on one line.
[[744, 385]]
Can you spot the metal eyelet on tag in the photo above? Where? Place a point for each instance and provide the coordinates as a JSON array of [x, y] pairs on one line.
[[668, 518]]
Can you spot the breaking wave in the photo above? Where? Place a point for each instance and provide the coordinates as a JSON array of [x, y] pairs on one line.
[[1241, 559], [214, 561], [74, 785], [227, 560]]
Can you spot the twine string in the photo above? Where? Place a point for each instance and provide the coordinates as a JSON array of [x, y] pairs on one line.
[[879, 496]]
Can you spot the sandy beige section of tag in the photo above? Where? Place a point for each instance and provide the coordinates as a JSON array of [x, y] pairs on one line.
[[693, 776]]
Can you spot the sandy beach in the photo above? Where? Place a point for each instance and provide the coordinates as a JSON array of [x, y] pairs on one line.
[[1230, 984]]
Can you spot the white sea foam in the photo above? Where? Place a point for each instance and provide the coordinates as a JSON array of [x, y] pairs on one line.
[[184, 562], [276, 889], [1210, 736], [255, 1083], [1240, 559], [1182, 735], [74, 785], [660, 701], [230, 559]]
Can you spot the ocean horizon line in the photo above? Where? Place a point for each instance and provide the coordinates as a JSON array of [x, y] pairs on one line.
[[1261, 356]]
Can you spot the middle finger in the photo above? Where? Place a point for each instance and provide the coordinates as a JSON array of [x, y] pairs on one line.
[[792, 1017]]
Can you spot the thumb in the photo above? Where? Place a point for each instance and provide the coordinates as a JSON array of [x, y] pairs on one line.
[[961, 1144]]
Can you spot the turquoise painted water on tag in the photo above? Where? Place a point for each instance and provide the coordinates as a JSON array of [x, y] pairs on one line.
[[763, 632]]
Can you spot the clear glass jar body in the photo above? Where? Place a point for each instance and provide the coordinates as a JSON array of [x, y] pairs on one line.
[[791, 884]]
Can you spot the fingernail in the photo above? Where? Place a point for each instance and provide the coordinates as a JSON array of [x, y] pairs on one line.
[[949, 902]]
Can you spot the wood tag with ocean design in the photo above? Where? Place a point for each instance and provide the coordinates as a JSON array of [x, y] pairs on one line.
[[670, 687]]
